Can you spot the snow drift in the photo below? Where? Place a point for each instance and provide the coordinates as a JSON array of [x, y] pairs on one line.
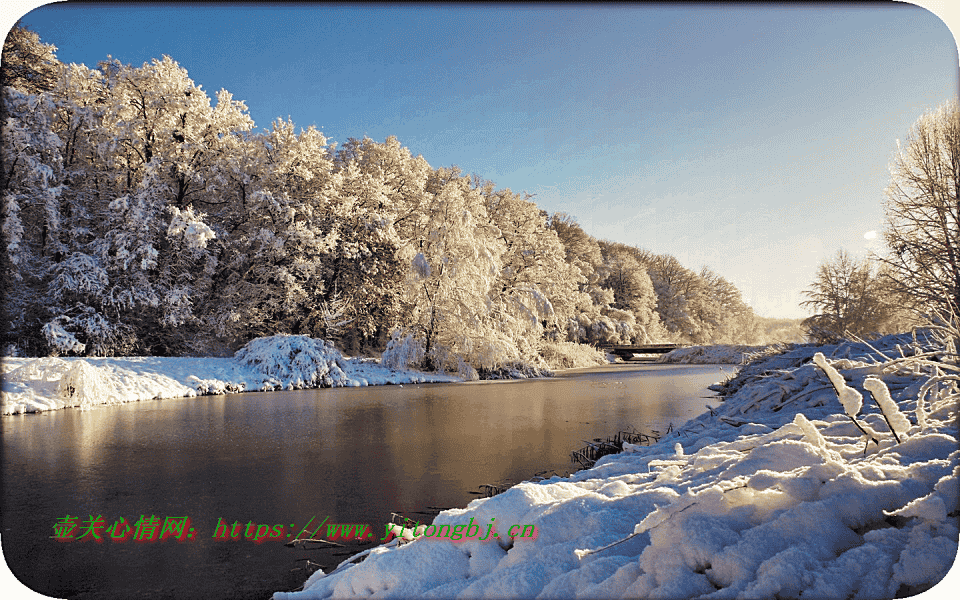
[[723, 354]]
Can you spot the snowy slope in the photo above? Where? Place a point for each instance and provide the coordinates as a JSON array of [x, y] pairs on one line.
[[277, 362], [773, 493], [722, 354]]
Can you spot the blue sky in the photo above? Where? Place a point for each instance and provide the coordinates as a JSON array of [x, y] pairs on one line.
[[754, 140]]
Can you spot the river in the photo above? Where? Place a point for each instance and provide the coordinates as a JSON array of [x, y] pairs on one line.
[[351, 455]]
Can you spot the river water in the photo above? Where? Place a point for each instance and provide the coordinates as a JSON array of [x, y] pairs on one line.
[[352, 455]]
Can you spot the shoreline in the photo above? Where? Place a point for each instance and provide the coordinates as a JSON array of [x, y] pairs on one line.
[[31, 385], [574, 467]]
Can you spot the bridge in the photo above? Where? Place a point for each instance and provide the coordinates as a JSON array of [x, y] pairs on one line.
[[628, 352]]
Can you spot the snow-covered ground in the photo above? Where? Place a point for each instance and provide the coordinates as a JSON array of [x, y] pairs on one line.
[[723, 354], [775, 493], [277, 362]]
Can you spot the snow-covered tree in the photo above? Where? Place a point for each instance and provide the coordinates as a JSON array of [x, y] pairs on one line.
[[455, 260], [737, 323], [382, 194], [850, 298], [31, 185], [138, 157], [632, 290], [580, 248], [28, 64], [587, 323], [386, 179], [675, 286], [922, 210], [277, 237], [38, 216], [537, 289]]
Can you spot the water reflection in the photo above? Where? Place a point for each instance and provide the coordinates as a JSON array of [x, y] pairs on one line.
[[281, 458]]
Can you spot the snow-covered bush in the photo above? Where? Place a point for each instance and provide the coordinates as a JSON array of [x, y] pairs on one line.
[[294, 362], [465, 371], [488, 352], [570, 355], [85, 385], [493, 356], [403, 351], [515, 370]]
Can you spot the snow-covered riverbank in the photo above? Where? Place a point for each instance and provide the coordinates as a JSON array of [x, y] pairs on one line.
[[278, 362], [722, 354], [773, 493]]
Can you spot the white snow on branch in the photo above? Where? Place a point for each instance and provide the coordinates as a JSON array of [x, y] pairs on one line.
[[851, 399], [898, 422]]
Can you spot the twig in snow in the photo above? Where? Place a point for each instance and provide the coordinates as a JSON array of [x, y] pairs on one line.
[[868, 436], [305, 541], [581, 553]]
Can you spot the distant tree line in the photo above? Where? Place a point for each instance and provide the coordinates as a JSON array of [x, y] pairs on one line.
[[140, 218]]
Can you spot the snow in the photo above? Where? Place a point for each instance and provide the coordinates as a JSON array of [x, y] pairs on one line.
[[896, 419], [273, 363], [723, 354], [772, 494], [850, 398]]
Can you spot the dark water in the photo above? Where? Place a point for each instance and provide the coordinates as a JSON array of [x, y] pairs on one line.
[[352, 455]]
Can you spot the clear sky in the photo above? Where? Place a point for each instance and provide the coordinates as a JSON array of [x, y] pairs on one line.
[[751, 139]]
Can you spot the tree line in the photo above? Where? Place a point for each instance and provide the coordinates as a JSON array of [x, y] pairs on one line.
[[143, 217], [916, 279]]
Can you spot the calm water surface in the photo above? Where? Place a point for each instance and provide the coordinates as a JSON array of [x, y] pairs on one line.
[[354, 455]]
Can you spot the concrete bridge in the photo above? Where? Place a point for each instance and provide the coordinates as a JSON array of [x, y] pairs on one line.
[[627, 352]]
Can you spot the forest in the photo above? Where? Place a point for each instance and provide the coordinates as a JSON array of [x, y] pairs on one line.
[[142, 216]]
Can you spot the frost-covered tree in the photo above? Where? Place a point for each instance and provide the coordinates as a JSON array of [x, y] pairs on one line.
[[632, 290], [278, 238], [382, 193], [385, 178], [850, 299], [157, 113], [454, 263], [31, 186], [736, 322], [28, 64], [271, 276], [922, 209], [37, 216], [537, 289], [162, 162], [591, 321], [675, 286], [136, 156], [581, 250]]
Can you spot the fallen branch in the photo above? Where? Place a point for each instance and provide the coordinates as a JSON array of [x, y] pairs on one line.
[[305, 541]]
